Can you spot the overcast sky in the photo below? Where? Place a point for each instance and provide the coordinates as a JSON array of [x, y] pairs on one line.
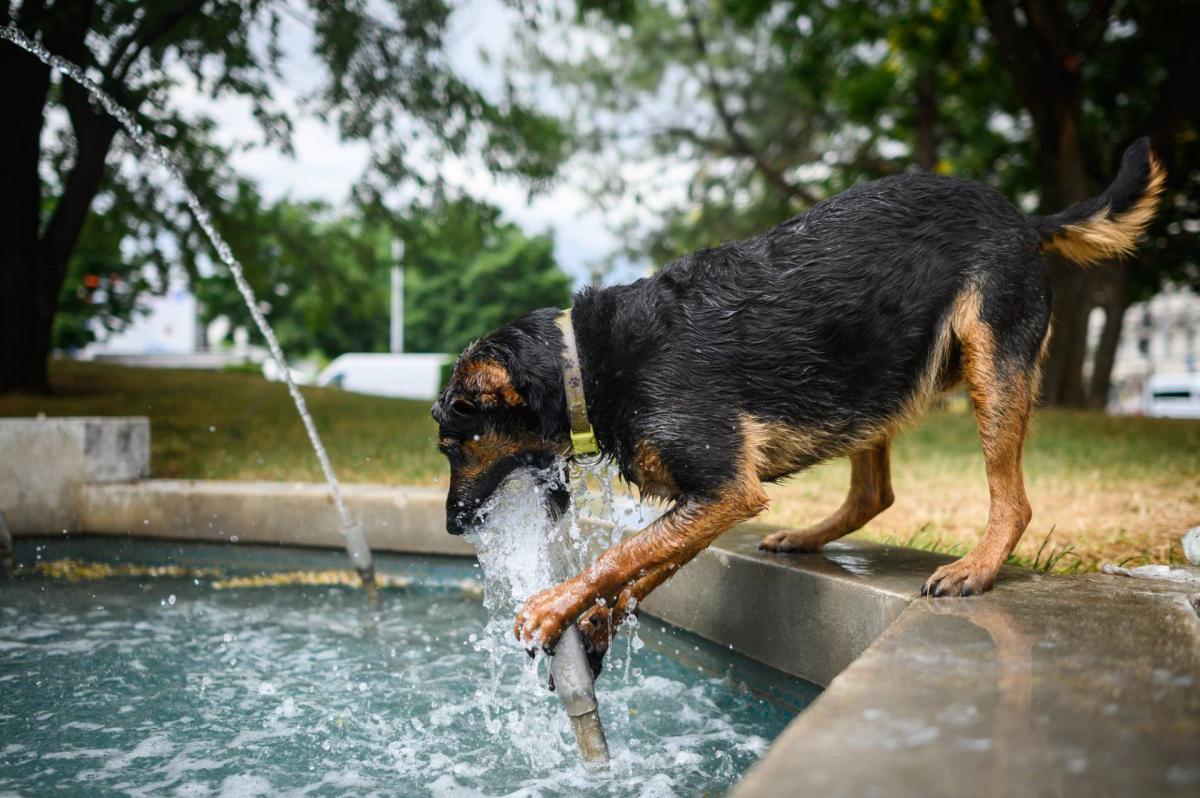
[[324, 167]]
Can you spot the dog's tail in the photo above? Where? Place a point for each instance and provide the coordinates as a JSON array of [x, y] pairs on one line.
[[1109, 225]]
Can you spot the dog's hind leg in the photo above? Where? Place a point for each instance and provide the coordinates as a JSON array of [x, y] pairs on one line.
[[1001, 383], [870, 494]]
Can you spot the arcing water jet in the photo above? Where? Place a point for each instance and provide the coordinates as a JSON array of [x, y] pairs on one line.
[[352, 530]]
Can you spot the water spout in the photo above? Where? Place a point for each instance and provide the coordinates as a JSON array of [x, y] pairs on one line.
[[521, 551], [575, 688], [356, 545], [6, 547]]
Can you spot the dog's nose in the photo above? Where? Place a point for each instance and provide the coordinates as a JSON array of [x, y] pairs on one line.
[[462, 521]]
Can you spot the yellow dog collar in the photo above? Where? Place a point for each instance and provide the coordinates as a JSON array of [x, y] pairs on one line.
[[583, 437]]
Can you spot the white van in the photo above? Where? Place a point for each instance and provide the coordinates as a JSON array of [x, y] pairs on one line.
[[1172, 396], [406, 376]]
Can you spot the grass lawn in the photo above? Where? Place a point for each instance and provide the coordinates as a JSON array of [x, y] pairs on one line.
[[1102, 489]]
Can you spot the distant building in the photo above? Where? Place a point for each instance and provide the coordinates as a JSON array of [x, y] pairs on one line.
[[169, 334], [1159, 336]]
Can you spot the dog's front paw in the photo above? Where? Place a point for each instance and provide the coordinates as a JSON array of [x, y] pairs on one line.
[[786, 540], [964, 577], [545, 615]]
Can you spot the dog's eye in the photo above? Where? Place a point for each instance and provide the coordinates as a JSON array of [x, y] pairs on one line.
[[463, 407]]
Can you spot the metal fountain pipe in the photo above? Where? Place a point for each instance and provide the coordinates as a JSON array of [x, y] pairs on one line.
[[6, 547], [575, 687], [352, 531]]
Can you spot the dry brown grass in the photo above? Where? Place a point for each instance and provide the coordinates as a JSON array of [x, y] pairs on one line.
[[1102, 489]]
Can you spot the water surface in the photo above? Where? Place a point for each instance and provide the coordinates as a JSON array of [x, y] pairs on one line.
[[166, 685]]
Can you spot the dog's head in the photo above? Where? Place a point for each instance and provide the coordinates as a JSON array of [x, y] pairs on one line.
[[503, 408]]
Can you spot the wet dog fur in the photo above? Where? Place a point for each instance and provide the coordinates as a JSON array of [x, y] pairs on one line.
[[751, 361]]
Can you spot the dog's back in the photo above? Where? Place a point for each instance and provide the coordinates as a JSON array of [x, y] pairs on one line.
[[837, 323], [832, 321]]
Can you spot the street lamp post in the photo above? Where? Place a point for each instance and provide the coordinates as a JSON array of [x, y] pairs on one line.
[[397, 330]]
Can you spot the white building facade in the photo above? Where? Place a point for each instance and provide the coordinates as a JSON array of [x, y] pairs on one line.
[[1158, 336]]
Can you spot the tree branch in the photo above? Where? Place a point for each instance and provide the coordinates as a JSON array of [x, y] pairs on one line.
[[145, 36], [741, 145], [1023, 63], [1049, 27]]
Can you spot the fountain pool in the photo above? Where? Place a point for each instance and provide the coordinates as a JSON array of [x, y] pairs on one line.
[[166, 669]]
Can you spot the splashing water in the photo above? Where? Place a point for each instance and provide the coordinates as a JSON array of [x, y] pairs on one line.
[[111, 687], [352, 530], [521, 552]]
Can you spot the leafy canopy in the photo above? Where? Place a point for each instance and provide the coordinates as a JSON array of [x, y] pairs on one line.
[[384, 79], [324, 278]]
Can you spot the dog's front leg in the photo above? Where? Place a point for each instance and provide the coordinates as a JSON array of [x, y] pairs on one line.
[[634, 567]]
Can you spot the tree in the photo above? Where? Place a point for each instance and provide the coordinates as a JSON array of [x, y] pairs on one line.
[[773, 104], [320, 277], [770, 106], [387, 82], [1092, 77], [323, 278], [469, 273]]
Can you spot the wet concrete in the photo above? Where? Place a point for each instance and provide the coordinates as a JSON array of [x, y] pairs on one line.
[[1084, 685], [809, 615]]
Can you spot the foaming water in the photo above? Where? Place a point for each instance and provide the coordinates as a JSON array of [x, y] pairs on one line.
[[521, 551], [165, 686]]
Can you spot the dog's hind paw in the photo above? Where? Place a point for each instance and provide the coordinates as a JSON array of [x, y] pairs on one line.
[[962, 577], [786, 540]]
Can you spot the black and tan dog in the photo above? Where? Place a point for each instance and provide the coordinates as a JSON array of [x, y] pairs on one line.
[[751, 361]]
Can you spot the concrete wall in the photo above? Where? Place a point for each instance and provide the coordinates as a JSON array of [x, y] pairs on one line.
[[43, 461], [404, 519]]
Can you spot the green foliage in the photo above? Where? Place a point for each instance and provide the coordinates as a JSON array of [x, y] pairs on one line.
[[320, 278], [323, 279], [469, 273], [385, 81], [771, 105]]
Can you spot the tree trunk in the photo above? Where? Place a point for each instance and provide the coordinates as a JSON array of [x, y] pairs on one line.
[[926, 119], [1064, 181], [24, 327], [33, 262], [1116, 302]]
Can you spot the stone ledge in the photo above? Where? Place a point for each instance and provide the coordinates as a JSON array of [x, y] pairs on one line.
[[809, 615], [1068, 685], [303, 514], [43, 460]]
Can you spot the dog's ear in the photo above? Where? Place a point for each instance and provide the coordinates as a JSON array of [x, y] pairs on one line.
[[536, 373], [488, 385]]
